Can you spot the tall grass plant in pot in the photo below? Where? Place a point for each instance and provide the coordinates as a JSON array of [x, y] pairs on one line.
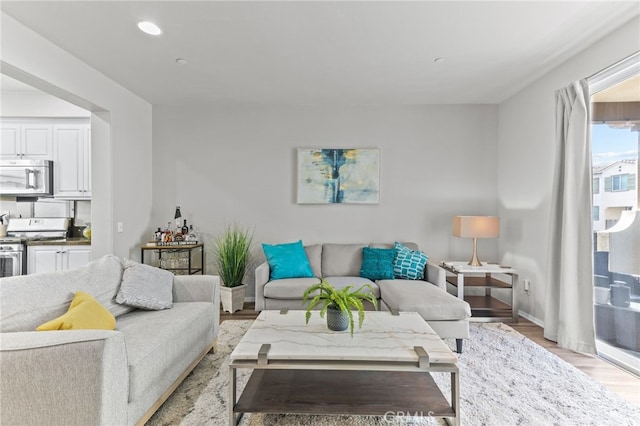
[[232, 250]]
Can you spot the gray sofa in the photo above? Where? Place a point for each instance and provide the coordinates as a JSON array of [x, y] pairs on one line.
[[98, 377], [340, 265]]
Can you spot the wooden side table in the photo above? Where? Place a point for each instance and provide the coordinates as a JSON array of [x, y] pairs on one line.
[[487, 277], [184, 265]]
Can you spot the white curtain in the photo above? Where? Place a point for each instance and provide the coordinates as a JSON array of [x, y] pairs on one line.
[[569, 302]]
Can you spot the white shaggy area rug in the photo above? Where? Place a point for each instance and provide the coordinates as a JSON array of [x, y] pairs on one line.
[[505, 379]]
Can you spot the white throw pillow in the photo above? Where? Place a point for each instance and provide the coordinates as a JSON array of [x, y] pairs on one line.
[[145, 287]]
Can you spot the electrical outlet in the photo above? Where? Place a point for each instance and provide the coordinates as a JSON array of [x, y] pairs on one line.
[[527, 285], [120, 227]]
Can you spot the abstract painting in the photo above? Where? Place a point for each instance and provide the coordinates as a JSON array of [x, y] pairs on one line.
[[338, 176]]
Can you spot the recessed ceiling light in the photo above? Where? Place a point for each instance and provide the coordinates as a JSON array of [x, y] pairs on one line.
[[438, 60], [181, 61], [149, 28]]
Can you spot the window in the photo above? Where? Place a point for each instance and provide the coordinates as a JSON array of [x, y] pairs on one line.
[[623, 182], [619, 183], [614, 145]]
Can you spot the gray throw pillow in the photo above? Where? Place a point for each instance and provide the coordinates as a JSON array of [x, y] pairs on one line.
[[145, 287]]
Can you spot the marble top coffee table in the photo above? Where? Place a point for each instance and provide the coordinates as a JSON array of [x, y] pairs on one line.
[[383, 370]]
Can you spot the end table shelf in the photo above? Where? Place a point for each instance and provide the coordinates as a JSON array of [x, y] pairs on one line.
[[185, 266], [485, 308]]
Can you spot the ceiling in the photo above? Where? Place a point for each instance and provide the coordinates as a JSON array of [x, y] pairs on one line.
[[324, 52]]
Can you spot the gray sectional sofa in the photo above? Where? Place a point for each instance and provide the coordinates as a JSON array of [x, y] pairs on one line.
[[98, 377], [340, 265]]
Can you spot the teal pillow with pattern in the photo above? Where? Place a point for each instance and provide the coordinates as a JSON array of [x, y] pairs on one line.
[[409, 264]]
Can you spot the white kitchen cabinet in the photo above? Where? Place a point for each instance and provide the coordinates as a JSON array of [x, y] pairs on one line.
[[26, 140], [72, 161], [47, 258]]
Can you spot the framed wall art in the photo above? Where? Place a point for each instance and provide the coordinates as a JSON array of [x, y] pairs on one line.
[[338, 176]]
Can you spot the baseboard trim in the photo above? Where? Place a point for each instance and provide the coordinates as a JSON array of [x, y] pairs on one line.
[[536, 321]]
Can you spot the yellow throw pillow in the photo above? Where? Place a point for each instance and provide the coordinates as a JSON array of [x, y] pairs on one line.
[[85, 313]]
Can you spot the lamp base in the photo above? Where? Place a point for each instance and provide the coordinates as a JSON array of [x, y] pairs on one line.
[[474, 259]]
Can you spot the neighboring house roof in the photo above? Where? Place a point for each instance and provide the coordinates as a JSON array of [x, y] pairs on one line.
[[599, 168]]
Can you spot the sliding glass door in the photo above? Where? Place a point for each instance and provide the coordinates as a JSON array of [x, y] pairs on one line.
[[616, 219]]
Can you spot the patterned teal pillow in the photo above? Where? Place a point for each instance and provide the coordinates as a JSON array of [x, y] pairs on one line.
[[409, 264], [377, 263], [287, 261]]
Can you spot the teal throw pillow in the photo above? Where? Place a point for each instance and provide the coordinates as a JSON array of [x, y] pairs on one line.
[[377, 263], [409, 264], [287, 260]]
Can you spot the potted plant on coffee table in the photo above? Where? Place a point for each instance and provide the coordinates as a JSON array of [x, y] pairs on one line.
[[338, 304], [232, 250]]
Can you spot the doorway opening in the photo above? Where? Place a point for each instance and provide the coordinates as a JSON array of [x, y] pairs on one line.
[[615, 142]]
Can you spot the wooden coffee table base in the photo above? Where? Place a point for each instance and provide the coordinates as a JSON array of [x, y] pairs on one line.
[[344, 392]]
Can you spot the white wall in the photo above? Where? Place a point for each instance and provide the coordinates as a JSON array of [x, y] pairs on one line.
[[526, 161], [239, 165], [22, 103], [121, 134]]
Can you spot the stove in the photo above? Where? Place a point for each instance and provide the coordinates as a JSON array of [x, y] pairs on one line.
[[13, 259], [38, 228], [13, 247]]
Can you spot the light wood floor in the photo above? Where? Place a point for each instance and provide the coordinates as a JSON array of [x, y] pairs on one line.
[[619, 381]]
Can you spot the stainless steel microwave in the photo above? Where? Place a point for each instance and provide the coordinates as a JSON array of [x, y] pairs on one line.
[[26, 178]]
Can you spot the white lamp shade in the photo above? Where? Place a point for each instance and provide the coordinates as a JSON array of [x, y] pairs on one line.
[[476, 226]]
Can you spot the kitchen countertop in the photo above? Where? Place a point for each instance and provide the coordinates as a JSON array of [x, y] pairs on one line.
[[61, 242]]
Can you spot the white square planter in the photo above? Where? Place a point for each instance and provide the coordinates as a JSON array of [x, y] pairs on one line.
[[233, 298]]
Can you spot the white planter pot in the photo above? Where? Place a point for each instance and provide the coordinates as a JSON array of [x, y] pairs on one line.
[[233, 298]]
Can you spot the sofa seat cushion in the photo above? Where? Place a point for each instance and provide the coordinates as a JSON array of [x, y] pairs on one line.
[[161, 344], [431, 302], [288, 288], [355, 283]]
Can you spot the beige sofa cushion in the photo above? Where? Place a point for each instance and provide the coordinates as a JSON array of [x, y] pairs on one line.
[[422, 297], [30, 300], [162, 344], [412, 246], [354, 282], [288, 288], [314, 254], [341, 260]]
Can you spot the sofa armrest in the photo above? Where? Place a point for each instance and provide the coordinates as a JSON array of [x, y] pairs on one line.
[[262, 274], [196, 288], [64, 377], [435, 275]]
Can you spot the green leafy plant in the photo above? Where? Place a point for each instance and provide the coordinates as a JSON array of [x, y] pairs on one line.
[[343, 300], [232, 252]]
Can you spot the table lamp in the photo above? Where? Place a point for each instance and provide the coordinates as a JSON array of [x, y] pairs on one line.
[[476, 227]]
